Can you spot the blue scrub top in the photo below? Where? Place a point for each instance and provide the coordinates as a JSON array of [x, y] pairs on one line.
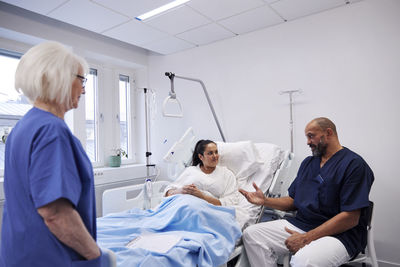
[[43, 162], [342, 184]]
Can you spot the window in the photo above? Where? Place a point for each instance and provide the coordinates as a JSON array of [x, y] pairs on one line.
[[13, 105], [124, 111], [99, 134], [92, 122]]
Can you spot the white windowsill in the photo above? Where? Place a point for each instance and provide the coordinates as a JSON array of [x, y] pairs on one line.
[[106, 175]]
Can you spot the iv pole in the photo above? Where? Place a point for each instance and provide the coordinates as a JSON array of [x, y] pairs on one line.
[[290, 93], [148, 153], [171, 76], [147, 192]]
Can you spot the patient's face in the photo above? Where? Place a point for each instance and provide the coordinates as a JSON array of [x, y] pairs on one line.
[[210, 157]]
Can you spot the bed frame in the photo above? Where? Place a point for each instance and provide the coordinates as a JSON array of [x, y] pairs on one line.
[[280, 183], [128, 197]]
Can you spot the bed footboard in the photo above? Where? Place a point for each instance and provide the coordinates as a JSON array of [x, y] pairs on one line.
[[129, 197]]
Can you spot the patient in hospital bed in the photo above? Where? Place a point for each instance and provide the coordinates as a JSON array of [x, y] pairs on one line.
[[207, 232], [208, 181], [204, 234]]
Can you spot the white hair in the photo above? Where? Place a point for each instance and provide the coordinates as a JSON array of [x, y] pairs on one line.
[[47, 71]]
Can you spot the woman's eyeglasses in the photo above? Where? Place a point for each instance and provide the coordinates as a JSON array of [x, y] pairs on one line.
[[83, 79]]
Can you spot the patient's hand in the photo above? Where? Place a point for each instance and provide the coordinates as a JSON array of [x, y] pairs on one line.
[[256, 197], [191, 189], [172, 192]]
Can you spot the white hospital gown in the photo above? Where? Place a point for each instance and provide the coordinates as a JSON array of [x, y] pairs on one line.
[[220, 184]]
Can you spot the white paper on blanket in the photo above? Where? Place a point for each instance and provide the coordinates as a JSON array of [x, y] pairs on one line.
[[159, 243]]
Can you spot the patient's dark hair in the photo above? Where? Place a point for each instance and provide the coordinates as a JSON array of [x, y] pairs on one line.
[[199, 149]]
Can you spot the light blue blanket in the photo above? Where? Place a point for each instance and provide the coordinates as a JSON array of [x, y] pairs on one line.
[[208, 233]]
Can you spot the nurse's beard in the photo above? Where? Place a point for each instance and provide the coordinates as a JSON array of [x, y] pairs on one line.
[[320, 149]]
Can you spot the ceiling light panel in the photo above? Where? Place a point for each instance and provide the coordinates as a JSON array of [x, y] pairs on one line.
[[178, 20], [252, 20], [87, 15], [135, 32], [220, 9], [132, 8], [161, 9], [206, 34], [39, 6], [292, 9]]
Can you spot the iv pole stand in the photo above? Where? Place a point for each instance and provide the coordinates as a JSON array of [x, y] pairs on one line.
[[148, 153], [290, 93], [171, 76]]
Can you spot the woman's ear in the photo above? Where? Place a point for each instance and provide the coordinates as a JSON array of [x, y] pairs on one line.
[[201, 157]]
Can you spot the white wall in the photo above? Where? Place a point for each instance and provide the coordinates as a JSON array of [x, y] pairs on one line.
[[347, 62]]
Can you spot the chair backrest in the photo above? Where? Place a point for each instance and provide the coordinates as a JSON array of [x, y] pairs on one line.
[[369, 254], [368, 213], [370, 210]]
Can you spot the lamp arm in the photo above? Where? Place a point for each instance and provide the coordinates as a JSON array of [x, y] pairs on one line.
[[207, 96], [171, 77]]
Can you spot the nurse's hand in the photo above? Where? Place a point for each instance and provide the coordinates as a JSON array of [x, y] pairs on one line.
[[296, 241], [256, 197]]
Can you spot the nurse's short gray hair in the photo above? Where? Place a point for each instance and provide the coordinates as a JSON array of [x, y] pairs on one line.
[[47, 71]]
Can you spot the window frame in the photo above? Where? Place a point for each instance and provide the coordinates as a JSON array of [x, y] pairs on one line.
[[98, 119], [131, 114], [108, 129], [16, 55]]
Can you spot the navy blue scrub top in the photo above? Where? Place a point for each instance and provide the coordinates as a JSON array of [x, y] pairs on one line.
[[342, 184], [43, 162]]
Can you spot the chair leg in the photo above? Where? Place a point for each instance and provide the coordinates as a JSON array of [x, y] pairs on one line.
[[243, 260], [371, 249], [286, 260]]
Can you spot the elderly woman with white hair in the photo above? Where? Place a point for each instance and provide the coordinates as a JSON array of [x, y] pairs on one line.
[[49, 214]]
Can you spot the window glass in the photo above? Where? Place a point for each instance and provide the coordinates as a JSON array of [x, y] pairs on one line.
[[92, 129], [124, 90], [13, 105]]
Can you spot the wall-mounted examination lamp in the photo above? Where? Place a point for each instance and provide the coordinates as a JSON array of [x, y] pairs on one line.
[[172, 99]]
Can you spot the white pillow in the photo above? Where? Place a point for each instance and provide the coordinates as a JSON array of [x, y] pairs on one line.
[[240, 157]]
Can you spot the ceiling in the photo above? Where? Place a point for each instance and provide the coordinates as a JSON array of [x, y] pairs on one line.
[[196, 23]]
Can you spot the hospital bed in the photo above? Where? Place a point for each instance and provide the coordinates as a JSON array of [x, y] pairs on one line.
[[265, 164]]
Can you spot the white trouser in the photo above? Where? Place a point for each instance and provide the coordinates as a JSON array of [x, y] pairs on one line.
[[265, 243]]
